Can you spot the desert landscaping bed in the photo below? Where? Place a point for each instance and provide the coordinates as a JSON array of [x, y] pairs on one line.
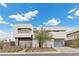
[[11, 49], [40, 49]]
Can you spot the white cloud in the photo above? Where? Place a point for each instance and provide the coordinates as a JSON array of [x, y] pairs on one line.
[[76, 13], [11, 24], [44, 23], [53, 22], [5, 35], [1, 18], [40, 26], [2, 22], [72, 10], [68, 29], [24, 17], [70, 17], [3, 4]]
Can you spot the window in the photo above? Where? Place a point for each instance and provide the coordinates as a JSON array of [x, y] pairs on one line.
[[69, 35], [24, 30], [56, 30]]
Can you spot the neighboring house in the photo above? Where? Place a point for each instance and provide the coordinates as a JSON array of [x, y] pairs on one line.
[[72, 34], [24, 36]]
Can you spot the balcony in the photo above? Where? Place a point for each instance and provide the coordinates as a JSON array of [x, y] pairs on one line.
[[23, 35]]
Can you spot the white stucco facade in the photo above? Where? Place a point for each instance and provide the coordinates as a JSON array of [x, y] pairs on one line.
[[25, 32], [58, 33]]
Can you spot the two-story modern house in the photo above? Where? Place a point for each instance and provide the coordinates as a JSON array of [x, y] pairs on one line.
[[58, 34], [24, 36]]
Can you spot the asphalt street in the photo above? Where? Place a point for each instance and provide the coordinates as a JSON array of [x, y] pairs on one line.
[[46, 54]]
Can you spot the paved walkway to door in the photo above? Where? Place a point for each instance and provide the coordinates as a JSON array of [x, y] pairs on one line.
[[67, 49], [23, 50]]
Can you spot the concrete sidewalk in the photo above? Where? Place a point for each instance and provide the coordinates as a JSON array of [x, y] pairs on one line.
[[66, 49], [40, 54], [60, 51]]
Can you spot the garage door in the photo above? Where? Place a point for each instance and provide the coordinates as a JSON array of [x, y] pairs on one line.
[[58, 42], [24, 43]]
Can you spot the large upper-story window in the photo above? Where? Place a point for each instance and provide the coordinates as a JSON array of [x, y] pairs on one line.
[[56, 30], [24, 30]]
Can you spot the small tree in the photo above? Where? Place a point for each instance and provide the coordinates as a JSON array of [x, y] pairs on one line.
[[1, 44], [42, 36]]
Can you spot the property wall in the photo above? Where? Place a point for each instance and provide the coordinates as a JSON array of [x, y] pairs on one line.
[[49, 44], [35, 43], [16, 41]]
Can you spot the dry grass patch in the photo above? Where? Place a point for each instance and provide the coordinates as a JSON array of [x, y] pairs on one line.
[[11, 49], [40, 49]]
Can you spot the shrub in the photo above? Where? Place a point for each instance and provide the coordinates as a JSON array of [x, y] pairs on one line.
[[74, 43], [1, 44]]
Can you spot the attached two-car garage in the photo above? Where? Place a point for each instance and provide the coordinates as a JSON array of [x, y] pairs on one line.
[[58, 42]]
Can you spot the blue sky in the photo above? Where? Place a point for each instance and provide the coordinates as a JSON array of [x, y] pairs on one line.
[[45, 14]]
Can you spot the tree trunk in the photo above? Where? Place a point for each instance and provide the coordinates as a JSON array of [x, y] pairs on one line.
[[40, 44]]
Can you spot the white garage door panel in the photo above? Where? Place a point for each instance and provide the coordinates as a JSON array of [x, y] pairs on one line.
[[58, 43], [25, 43]]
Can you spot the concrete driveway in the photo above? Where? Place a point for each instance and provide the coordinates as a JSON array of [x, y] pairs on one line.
[[67, 49]]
